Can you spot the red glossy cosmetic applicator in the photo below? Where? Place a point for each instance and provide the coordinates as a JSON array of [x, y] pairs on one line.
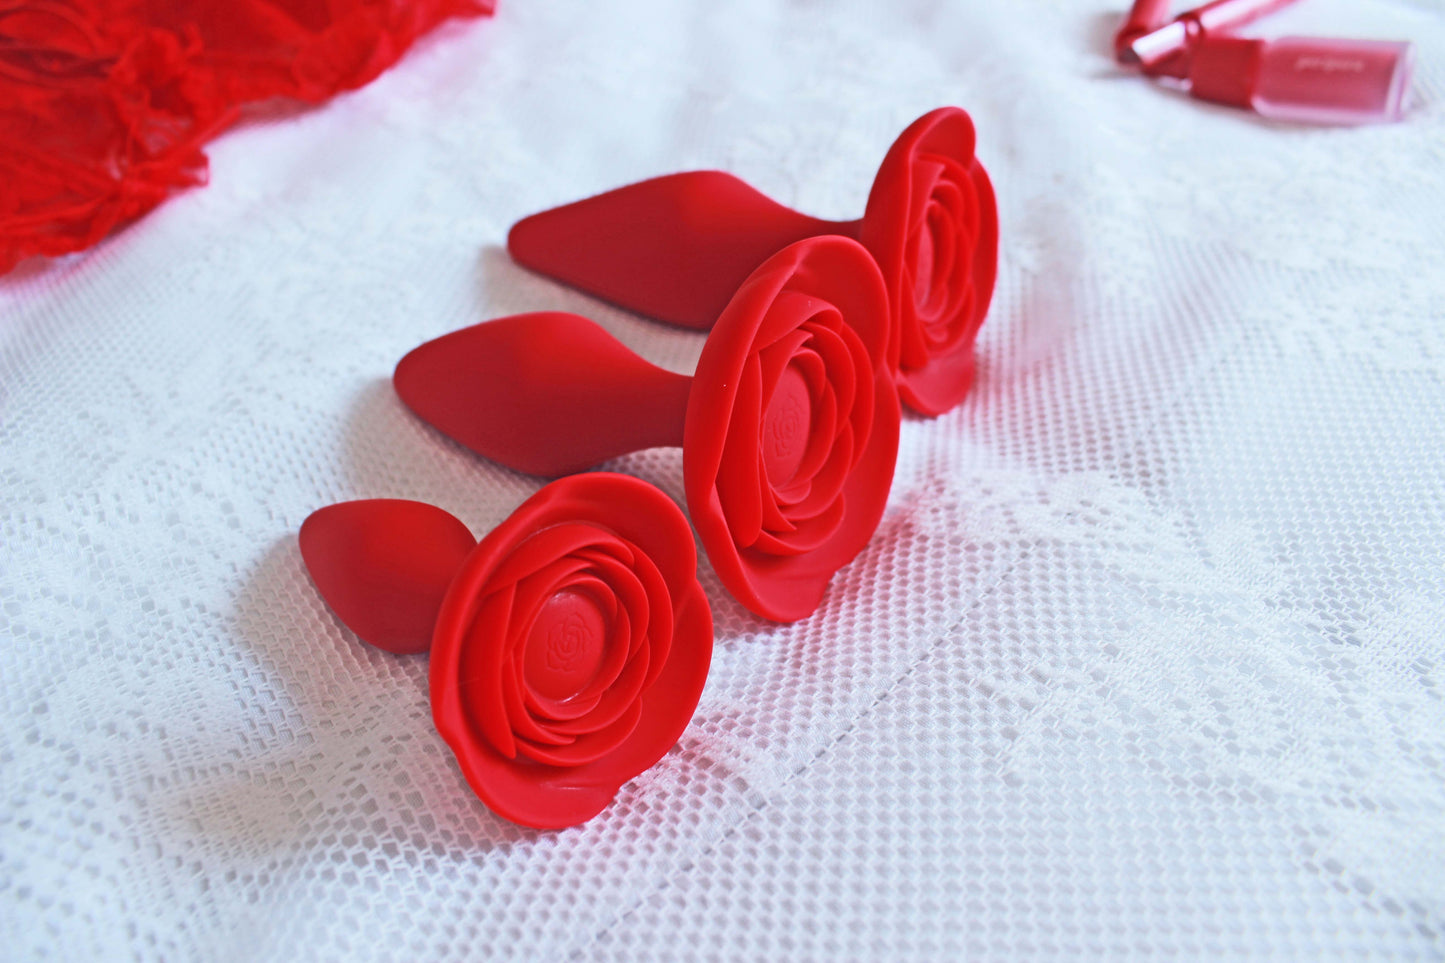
[[675, 248], [1149, 39]]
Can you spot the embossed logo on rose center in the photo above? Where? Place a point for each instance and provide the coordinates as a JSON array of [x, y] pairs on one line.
[[786, 426], [566, 642]]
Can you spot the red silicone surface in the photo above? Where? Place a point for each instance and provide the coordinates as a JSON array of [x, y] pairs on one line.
[[568, 648], [792, 427], [676, 247], [789, 428], [547, 393], [383, 566]]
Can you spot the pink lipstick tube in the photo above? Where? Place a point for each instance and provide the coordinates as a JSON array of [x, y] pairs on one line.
[[1307, 79]]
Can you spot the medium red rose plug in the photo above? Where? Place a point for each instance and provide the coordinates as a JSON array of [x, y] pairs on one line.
[[675, 248], [789, 427], [569, 647]]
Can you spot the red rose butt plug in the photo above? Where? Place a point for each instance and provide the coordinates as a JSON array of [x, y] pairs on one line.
[[675, 248], [789, 427], [569, 647]]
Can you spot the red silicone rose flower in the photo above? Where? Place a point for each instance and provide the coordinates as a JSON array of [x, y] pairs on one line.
[[792, 427], [568, 648], [569, 654], [932, 225]]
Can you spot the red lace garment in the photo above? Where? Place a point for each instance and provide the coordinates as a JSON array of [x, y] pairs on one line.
[[105, 104]]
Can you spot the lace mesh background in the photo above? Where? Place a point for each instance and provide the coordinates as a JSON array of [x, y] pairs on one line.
[[1145, 659]]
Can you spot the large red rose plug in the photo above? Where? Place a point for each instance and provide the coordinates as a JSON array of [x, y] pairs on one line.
[[675, 248], [789, 427], [568, 648]]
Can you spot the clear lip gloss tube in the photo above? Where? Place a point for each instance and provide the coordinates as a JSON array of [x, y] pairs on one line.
[[1310, 79]]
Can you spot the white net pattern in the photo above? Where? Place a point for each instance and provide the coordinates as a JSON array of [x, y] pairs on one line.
[[1145, 659]]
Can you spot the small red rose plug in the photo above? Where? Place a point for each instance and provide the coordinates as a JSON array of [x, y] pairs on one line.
[[568, 648], [675, 248], [789, 427]]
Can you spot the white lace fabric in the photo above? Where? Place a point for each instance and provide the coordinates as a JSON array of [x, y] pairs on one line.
[[1145, 659]]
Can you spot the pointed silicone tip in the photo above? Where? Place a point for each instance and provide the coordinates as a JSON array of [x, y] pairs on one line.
[[673, 248], [383, 565], [548, 393], [485, 386]]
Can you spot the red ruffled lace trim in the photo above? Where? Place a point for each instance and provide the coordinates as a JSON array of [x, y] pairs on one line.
[[105, 104]]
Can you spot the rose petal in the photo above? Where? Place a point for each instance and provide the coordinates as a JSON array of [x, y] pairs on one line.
[[957, 173], [945, 309], [925, 172], [479, 673], [922, 263], [511, 676], [775, 518], [660, 617], [850, 380], [788, 312], [862, 412], [818, 436], [654, 613], [547, 546], [644, 603], [839, 348], [615, 548], [826, 486], [808, 535], [524, 725], [650, 526], [630, 617], [935, 290], [943, 279], [534, 590], [531, 594], [823, 429], [740, 475], [774, 359], [590, 747], [912, 346], [642, 668]]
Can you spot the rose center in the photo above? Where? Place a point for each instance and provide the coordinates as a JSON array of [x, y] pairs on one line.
[[923, 265], [785, 427], [565, 646]]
